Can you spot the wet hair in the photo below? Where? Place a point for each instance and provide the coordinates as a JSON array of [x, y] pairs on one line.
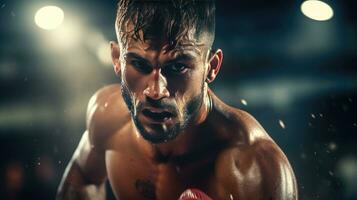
[[171, 20]]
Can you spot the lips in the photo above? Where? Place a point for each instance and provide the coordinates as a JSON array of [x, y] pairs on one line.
[[157, 115]]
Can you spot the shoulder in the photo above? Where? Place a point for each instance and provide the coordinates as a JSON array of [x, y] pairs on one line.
[[240, 126], [106, 113], [264, 158], [278, 179], [253, 166], [256, 171], [249, 127]]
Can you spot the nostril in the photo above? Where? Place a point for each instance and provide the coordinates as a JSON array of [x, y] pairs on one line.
[[155, 94], [151, 94]]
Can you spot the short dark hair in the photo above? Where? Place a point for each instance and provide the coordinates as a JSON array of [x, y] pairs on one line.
[[169, 19]]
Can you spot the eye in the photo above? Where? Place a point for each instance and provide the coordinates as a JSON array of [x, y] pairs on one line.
[[141, 66], [177, 68]]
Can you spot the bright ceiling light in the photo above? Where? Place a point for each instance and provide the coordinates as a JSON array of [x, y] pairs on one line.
[[49, 17], [317, 10]]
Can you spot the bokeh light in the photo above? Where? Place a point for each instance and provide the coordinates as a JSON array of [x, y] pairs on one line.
[[103, 53], [347, 171], [317, 10], [49, 17], [67, 36]]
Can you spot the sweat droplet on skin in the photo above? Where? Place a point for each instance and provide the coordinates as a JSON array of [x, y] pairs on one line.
[[231, 197]]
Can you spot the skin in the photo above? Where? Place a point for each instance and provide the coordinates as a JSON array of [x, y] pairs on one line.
[[218, 149]]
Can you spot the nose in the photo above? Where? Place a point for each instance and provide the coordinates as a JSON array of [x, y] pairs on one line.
[[157, 86]]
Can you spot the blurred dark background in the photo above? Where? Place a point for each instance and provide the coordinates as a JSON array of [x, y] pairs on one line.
[[296, 75]]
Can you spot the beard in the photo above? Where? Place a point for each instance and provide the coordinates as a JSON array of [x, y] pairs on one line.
[[190, 112]]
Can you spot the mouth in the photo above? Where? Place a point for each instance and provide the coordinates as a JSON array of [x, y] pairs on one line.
[[157, 115]]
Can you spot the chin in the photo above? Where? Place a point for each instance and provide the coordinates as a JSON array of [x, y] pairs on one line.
[[157, 133]]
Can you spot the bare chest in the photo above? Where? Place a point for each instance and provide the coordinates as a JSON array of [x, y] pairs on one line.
[[134, 177]]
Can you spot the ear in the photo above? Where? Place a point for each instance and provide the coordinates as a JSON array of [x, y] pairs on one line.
[[115, 57], [215, 63]]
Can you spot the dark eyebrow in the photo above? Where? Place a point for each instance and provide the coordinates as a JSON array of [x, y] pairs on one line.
[[181, 58], [133, 55]]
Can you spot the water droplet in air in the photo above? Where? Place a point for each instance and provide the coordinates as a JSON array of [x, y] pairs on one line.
[[303, 156], [330, 172], [281, 123], [332, 146], [244, 102]]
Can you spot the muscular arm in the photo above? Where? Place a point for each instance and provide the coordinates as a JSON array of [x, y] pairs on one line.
[[259, 172], [272, 168], [278, 177], [85, 174], [257, 168]]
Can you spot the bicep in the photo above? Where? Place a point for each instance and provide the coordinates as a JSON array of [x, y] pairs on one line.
[[90, 160], [100, 124], [278, 177], [278, 181], [287, 188]]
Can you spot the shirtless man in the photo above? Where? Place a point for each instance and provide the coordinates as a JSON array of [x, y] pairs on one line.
[[162, 133]]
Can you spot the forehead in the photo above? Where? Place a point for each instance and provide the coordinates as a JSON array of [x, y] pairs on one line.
[[188, 44]]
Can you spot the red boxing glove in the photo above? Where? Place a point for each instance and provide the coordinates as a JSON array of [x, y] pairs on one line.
[[194, 194]]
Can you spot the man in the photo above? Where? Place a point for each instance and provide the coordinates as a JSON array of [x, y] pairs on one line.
[[162, 133]]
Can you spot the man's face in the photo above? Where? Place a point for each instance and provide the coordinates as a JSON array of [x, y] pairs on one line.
[[163, 88]]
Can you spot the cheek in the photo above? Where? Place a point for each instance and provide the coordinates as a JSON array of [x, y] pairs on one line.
[[133, 81], [187, 88], [187, 84]]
